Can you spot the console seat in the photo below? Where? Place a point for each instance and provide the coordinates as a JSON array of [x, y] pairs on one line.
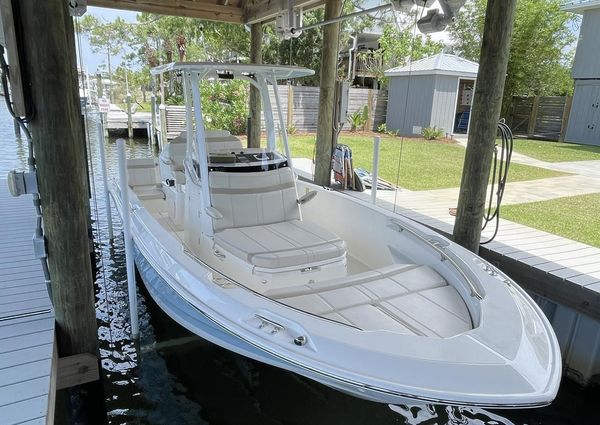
[[261, 222]]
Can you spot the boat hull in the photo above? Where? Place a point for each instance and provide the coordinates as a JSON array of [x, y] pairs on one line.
[[194, 320]]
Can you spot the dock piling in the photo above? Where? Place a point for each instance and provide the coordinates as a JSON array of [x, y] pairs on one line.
[[126, 217], [129, 119], [17, 129]]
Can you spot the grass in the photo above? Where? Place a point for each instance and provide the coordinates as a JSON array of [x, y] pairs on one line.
[[555, 151], [142, 107], [574, 217], [425, 165]]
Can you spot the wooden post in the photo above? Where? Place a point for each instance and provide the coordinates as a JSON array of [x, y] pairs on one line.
[[162, 116], [533, 116], [153, 111], [368, 123], [565, 118], [256, 35], [17, 128], [329, 57], [129, 118], [290, 107], [49, 63], [483, 130], [99, 86]]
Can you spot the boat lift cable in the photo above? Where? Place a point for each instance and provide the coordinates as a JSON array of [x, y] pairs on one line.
[[404, 114], [500, 167], [39, 240]]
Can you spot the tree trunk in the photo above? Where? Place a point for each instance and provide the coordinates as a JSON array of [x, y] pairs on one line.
[[329, 57], [256, 34], [48, 59], [483, 129]]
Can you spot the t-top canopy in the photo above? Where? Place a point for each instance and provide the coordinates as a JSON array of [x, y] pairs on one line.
[[234, 69]]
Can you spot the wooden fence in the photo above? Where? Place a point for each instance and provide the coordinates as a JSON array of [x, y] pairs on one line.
[[542, 117], [300, 109]]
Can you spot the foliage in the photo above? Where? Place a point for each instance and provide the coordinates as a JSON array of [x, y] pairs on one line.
[[432, 133], [399, 45], [382, 128], [540, 57], [573, 217], [292, 129], [106, 37], [225, 105], [443, 161], [556, 152], [359, 118]]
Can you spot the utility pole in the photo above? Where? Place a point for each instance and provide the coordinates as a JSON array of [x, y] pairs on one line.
[[487, 102], [49, 64], [256, 35], [329, 58]]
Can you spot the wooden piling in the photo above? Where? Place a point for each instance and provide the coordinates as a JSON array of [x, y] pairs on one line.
[[329, 57], [49, 64], [256, 34], [129, 119], [483, 129]]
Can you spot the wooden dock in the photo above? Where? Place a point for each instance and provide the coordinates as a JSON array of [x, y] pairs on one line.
[[27, 345], [117, 120]]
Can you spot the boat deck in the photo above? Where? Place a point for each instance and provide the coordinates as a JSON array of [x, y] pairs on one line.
[[27, 347]]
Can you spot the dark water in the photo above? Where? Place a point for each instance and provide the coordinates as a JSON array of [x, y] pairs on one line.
[[174, 377]]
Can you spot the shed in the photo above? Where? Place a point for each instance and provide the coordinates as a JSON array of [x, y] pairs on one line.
[[434, 91], [584, 119]]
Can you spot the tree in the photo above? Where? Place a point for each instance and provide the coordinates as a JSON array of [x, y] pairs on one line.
[[400, 44], [106, 37], [540, 58]]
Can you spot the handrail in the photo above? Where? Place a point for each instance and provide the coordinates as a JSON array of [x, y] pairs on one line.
[[440, 245]]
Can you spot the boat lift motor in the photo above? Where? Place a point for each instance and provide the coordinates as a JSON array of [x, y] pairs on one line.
[[435, 21], [288, 24]]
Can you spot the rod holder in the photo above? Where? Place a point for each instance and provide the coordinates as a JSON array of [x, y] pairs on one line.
[[126, 217], [375, 174]]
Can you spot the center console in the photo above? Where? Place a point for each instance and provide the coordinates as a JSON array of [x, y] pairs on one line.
[[246, 161]]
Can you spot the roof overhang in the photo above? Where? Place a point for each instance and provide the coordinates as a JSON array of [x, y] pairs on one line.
[[213, 69], [232, 11], [435, 72], [580, 6]]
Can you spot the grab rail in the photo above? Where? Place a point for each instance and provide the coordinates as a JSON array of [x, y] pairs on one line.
[[440, 245]]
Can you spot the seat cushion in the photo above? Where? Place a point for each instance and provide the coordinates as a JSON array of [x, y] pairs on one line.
[[254, 199], [403, 298], [286, 244]]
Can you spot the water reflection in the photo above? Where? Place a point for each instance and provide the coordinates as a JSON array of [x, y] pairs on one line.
[[174, 377]]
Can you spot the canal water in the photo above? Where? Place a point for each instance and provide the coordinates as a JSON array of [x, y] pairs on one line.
[[174, 377]]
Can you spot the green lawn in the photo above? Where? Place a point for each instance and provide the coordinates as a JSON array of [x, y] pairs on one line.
[[425, 165], [574, 217], [555, 151]]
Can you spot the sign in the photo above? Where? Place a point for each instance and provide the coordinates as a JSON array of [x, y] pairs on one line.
[[103, 104]]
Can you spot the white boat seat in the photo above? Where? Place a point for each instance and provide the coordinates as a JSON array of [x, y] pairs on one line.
[[404, 298], [261, 223], [253, 199], [292, 243]]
